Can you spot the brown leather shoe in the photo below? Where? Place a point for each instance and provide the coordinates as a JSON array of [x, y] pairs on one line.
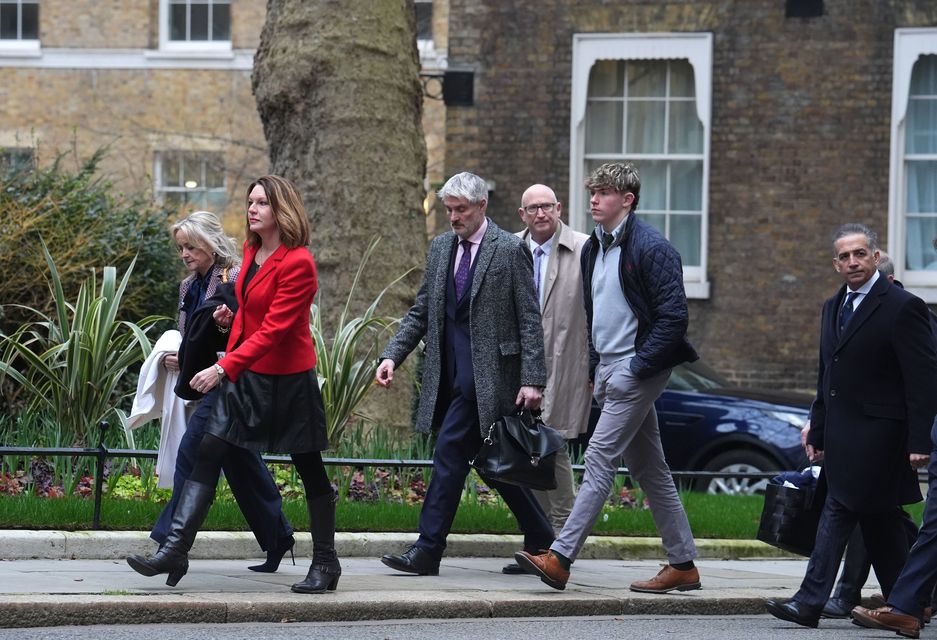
[[883, 618], [546, 565], [669, 579]]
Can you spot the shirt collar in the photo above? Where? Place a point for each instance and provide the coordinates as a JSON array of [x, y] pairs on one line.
[[546, 247], [864, 289], [616, 232], [476, 238]]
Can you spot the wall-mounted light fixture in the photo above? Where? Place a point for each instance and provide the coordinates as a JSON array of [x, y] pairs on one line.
[[454, 88]]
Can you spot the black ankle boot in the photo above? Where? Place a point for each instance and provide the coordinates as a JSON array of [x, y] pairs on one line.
[[173, 556], [275, 555], [325, 570]]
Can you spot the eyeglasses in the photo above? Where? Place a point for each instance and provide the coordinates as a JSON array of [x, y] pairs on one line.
[[546, 206]]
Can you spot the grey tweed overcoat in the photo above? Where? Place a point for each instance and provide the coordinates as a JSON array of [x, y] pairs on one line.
[[506, 332]]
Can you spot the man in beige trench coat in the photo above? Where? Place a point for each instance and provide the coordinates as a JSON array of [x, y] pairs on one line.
[[558, 282]]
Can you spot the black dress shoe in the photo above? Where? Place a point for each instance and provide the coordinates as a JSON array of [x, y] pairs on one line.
[[512, 569], [793, 611], [413, 560], [837, 608]]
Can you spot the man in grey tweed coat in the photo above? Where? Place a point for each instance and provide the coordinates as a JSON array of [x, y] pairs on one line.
[[479, 317]]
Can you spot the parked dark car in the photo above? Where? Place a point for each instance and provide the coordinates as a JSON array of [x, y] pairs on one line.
[[706, 424]]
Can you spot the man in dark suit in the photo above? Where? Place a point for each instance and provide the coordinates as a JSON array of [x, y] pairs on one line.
[[870, 422], [478, 315], [856, 563]]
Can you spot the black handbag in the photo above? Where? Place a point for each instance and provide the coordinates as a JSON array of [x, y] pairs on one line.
[[790, 517], [520, 449]]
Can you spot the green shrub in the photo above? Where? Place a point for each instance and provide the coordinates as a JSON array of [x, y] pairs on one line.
[[68, 363], [86, 226]]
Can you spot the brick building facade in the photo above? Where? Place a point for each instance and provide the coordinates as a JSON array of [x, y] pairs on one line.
[[801, 124], [771, 130], [165, 85]]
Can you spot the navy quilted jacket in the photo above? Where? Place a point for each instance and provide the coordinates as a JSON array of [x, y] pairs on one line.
[[651, 277]]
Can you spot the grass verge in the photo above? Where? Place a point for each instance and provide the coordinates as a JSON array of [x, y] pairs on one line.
[[727, 517]]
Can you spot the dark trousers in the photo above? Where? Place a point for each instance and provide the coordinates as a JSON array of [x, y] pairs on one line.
[[456, 444], [916, 583], [250, 481], [885, 539], [856, 563]]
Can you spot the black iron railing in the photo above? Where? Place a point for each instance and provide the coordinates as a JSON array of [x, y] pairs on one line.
[[101, 454]]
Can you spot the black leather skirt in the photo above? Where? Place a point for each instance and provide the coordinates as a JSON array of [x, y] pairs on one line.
[[271, 413]]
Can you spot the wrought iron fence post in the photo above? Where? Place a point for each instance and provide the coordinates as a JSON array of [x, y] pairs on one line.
[[99, 475]]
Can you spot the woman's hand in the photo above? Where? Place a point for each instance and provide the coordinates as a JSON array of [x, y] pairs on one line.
[[223, 316], [171, 361], [205, 380]]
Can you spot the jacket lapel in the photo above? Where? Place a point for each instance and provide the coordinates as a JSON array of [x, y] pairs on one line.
[[561, 241], [870, 303], [485, 253], [268, 267], [438, 280]]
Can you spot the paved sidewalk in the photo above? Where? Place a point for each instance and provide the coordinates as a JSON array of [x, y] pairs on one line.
[[54, 589]]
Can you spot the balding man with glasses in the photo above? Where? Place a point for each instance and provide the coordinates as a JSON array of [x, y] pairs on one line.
[[558, 282]]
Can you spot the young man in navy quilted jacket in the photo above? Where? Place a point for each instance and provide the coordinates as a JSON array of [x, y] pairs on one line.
[[633, 279]]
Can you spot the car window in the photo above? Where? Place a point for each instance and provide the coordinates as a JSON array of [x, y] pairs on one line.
[[695, 376]]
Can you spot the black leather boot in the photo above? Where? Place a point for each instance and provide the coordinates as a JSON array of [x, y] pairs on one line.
[[325, 570], [173, 556]]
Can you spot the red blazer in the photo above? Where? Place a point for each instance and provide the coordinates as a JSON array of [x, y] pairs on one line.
[[271, 332]]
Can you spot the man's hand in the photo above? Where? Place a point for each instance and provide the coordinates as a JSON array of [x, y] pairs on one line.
[[918, 460], [530, 397], [385, 373], [814, 454]]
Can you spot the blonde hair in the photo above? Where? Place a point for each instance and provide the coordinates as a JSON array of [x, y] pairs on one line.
[[288, 211], [203, 230]]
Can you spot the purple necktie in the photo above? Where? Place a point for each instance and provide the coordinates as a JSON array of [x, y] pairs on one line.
[[538, 260], [462, 273]]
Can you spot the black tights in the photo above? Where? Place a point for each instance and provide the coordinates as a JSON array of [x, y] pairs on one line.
[[212, 451]]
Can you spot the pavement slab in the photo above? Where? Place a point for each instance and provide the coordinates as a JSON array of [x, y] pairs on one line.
[[47, 586]]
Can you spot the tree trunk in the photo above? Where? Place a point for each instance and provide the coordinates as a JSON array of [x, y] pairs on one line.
[[338, 90]]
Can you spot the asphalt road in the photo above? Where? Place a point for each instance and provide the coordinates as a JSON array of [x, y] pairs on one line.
[[584, 628]]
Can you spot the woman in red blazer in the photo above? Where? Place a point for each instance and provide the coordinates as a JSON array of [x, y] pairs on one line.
[[269, 396]]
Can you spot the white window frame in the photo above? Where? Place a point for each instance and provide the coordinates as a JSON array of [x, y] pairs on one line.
[[19, 46], [588, 48], [431, 58], [189, 47], [160, 188], [910, 44]]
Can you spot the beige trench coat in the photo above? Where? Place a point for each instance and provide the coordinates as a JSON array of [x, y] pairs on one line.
[[568, 396]]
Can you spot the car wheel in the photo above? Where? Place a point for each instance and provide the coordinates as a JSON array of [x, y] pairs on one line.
[[739, 461]]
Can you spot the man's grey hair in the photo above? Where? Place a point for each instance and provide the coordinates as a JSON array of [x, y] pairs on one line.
[[465, 185], [885, 265], [854, 228]]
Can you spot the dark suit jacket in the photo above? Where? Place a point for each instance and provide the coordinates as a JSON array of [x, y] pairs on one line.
[[507, 337], [271, 332], [876, 397]]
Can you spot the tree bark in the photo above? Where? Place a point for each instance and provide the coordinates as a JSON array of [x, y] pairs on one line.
[[338, 90]]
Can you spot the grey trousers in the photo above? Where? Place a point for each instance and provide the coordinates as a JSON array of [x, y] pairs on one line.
[[558, 503], [627, 429]]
